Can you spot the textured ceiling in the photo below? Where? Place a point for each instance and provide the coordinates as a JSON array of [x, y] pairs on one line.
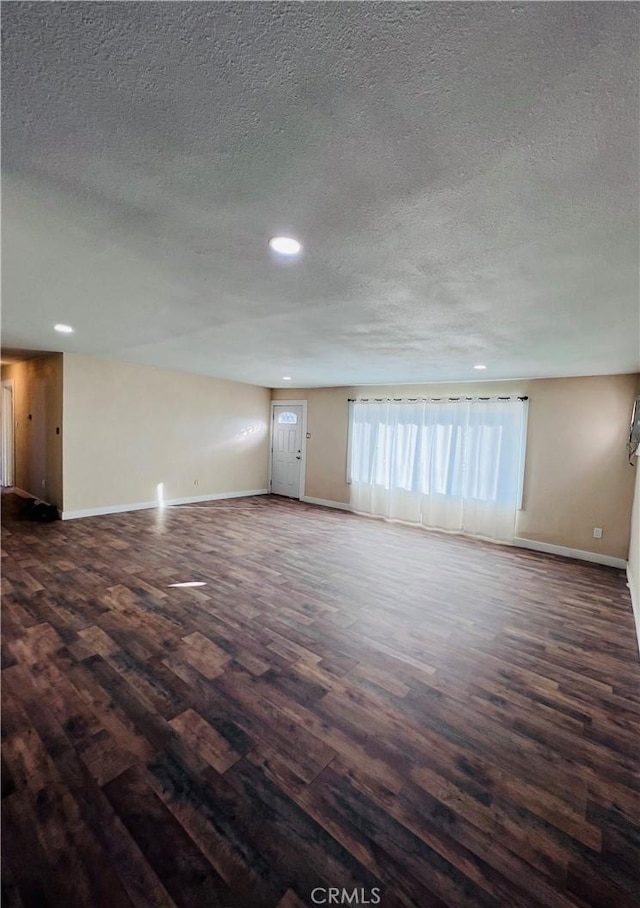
[[464, 178]]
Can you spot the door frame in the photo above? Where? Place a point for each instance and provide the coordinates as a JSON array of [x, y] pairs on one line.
[[11, 442], [303, 462]]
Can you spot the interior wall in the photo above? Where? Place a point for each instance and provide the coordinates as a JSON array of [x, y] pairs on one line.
[[633, 568], [129, 427], [37, 409], [577, 474]]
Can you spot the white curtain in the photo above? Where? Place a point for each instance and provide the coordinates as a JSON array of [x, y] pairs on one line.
[[453, 464]]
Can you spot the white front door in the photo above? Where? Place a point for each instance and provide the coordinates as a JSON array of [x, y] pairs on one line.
[[286, 455]]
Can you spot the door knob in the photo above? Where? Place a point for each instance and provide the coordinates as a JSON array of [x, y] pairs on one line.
[[298, 457]]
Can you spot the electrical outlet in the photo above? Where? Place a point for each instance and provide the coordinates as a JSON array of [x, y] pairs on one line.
[[195, 482], [44, 483], [597, 532]]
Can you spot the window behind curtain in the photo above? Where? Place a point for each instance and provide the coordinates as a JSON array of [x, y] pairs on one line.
[[467, 451]]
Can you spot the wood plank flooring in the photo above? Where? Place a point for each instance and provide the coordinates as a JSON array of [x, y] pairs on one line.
[[426, 720]]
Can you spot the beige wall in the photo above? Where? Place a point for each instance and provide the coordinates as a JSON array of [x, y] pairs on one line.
[[37, 393], [129, 427], [577, 475]]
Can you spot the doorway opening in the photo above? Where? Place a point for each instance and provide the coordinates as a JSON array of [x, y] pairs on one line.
[[6, 436]]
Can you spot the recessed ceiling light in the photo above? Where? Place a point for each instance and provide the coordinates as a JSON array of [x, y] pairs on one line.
[[286, 378], [479, 367], [63, 329], [285, 245]]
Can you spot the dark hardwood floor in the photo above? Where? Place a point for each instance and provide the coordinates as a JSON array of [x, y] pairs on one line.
[[429, 720]]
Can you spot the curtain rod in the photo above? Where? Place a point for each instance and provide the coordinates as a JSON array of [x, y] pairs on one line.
[[397, 400]]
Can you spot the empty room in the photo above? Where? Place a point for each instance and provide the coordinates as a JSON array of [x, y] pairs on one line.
[[320, 442]]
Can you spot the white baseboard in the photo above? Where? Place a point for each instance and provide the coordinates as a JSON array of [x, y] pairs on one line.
[[145, 505], [216, 496], [594, 557], [325, 503], [520, 542], [21, 492], [635, 604]]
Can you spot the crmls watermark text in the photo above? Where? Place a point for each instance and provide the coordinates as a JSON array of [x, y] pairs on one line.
[[335, 896]]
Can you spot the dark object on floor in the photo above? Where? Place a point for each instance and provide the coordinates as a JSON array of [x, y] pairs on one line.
[[40, 511]]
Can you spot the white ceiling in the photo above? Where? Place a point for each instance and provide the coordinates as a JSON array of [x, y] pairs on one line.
[[464, 178]]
